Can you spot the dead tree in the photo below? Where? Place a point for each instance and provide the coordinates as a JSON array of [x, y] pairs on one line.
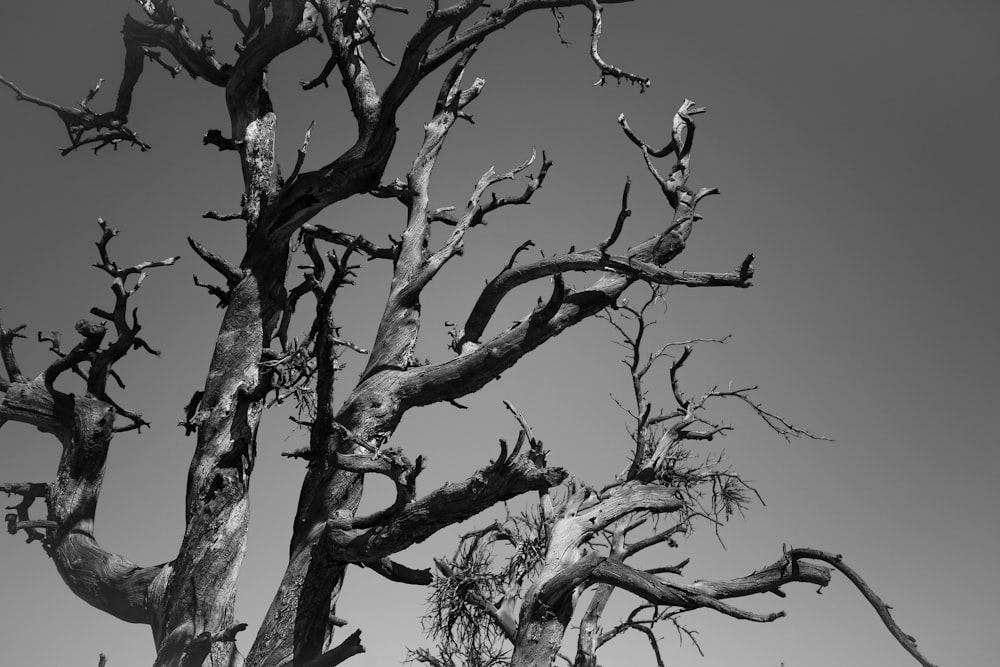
[[188, 602], [510, 590]]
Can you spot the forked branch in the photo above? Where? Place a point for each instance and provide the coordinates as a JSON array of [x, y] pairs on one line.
[[108, 129], [450, 504]]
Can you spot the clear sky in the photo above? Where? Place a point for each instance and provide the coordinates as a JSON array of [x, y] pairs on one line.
[[853, 143]]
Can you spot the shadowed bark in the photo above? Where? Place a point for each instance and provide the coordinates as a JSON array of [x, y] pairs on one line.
[[560, 549], [258, 362]]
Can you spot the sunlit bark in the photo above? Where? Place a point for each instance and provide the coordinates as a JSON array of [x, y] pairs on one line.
[[189, 600]]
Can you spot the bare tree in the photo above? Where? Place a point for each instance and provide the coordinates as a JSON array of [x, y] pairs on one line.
[[188, 602], [513, 604]]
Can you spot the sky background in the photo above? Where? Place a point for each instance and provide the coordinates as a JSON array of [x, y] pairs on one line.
[[854, 144]]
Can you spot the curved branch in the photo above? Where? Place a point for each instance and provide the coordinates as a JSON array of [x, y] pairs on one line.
[[237, 18], [426, 60], [84, 425], [479, 363], [399, 573], [606, 69], [589, 260], [414, 265], [359, 168], [598, 568], [345, 240], [640, 262], [908, 642], [109, 128], [403, 475], [105, 580], [168, 31], [623, 214], [645, 630], [449, 504]]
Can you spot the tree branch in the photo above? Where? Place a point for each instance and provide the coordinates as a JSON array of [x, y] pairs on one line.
[[450, 504], [109, 128], [230, 272], [343, 239], [237, 19], [908, 642], [84, 425], [595, 567], [399, 573], [503, 622], [359, 168], [589, 260], [168, 31], [7, 337], [349, 647], [623, 214], [414, 265], [20, 520], [606, 69]]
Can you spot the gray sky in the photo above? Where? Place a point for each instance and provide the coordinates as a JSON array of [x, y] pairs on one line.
[[852, 142]]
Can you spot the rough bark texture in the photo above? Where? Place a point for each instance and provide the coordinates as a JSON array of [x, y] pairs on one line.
[[189, 601]]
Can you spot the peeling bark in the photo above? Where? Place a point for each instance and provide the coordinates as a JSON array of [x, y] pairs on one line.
[[189, 601]]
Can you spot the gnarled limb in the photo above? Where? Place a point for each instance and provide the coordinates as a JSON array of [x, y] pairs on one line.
[[706, 594], [359, 243], [399, 573], [420, 58], [414, 264], [664, 478], [388, 387], [193, 596], [297, 623], [540, 631], [609, 70], [908, 642], [202, 590], [589, 260], [166, 30], [84, 425], [358, 169], [109, 129], [453, 503]]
